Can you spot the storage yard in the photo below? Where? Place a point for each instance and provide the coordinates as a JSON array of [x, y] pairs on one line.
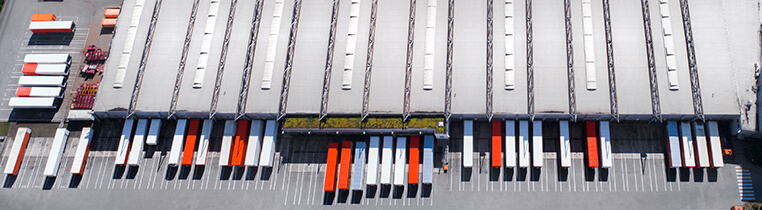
[[429, 103]]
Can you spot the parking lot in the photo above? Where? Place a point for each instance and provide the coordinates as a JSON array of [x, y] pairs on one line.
[[638, 180], [18, 41]]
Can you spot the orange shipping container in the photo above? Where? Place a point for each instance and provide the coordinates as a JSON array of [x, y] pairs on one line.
[[111, 13], [43, 17], [497, 143], [238, 152], [330, 167], [592, 144], [412, 177], [108, 22], [346, 162], [190, 142]]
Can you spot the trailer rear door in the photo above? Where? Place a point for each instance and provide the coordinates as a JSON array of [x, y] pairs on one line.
[[715, 145], [592, 144], [177, 142], [606, 161]]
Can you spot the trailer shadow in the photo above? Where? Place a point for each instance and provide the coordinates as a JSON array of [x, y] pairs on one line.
[[535, 172], [328, 197], [508, 173], [132, 171], [522, 174], [412, 190], [184, 171], [10, 179], [685, 174], [385, 190], [118, 171], [51, 39], [370, 191], [171, 172], [356, 196], [75, 180], [603, 174], [251, 173], [589, 174], [426, 190], [48, 183], [238, 172], [343, 196], [698, 174], [198, 172], [266, 173], [32, 115], [225, 172], [563, 174], [671, 174], [494, 173], [711, 174], [399, 191], [465, 174]]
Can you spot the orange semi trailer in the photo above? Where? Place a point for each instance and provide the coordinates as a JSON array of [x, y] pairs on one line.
[[592, 144], [330, 168], [413, 160], [190, 142], [345, 165], [497, 143], [240, 141]]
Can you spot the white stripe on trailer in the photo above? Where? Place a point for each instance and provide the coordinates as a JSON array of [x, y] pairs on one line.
[[537, 155], [177, 142], [255, 140], [428, 158], [153, 132], [359, 165], [673, 142], [42, 81], [715, 145], [35, 26], [41, 91], [124, 143], [62, 58], [372, 161], [227, 141], [268, 144], [523, 143], [565, 148], [137, 142], [83, 147], [468, 143], [399, 161], [56, 152], [689, 159], [605, 144], [59, 69], [33, 102], [386, 160], [700, 145], [203, 144]]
